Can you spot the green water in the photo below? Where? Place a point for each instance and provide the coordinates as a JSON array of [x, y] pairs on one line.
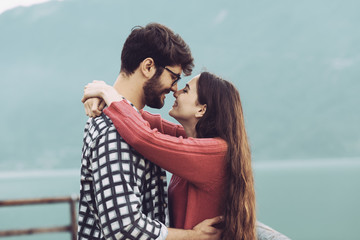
[[311, 203], [305, 201], [31, 216]]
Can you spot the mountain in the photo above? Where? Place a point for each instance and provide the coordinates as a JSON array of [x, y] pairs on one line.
[[296, 65]]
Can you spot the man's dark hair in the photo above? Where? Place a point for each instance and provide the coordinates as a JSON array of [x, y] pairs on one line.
[[158, 42]]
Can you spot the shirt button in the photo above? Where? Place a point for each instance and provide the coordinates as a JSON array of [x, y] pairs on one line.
[[165, 205]]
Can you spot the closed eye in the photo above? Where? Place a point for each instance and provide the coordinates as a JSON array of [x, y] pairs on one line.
[[186, 88]]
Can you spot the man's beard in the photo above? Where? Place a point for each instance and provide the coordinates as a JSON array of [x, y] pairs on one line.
[[153, 91]]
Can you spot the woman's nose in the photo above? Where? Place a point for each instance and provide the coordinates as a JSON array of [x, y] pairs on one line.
[[176, 94]]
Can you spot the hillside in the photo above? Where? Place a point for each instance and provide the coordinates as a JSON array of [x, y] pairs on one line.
[[296, 65]]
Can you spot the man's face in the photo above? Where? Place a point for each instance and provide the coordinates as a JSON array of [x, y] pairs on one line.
[[159, 85]]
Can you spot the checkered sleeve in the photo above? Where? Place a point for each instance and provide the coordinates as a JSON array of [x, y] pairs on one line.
[[117, 183]]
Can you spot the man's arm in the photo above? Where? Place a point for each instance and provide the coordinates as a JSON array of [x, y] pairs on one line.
[[202, 231]]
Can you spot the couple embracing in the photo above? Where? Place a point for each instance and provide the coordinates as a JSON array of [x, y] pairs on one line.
[[126, 150]]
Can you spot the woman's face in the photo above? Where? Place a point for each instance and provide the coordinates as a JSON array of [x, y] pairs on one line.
[[186, 106]]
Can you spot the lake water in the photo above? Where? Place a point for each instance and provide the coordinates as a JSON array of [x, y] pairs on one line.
[[312, 199]]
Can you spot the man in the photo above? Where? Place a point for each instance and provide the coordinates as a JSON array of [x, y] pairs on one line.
[[123, 195]]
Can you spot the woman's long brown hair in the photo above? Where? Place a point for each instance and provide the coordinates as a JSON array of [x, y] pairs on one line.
[[224, 118]]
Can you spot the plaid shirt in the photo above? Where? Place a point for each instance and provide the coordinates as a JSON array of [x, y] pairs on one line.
[[122, 195]]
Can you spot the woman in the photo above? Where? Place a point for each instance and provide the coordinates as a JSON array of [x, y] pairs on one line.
[[209, 155]]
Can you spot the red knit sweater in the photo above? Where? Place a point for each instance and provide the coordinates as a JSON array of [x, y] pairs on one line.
[[197, 164]]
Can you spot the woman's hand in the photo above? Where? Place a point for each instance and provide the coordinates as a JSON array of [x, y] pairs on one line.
[[96, 95], [94, 107]]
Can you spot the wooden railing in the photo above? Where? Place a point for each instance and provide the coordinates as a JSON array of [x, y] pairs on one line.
[[72, 227]]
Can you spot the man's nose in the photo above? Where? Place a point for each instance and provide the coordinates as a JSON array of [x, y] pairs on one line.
[[174, 88]]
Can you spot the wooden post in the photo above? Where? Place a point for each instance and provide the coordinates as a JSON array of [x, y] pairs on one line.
[[72, 227], [73, 201]]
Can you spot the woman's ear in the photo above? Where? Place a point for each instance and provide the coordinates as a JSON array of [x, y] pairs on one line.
[[147, 68], [200, 113]]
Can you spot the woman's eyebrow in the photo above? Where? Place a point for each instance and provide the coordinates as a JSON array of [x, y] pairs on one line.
[[187, 86]]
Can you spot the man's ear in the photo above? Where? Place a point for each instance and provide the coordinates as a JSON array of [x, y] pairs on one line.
[[147, 68], [200, 113]]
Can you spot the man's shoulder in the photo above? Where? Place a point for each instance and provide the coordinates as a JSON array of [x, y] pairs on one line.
[[98, 127]]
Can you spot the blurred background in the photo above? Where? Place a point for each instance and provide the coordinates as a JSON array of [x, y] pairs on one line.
[[295, 63]]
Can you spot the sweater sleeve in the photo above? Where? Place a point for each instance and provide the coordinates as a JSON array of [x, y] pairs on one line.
[[162, 125], [198, 160]]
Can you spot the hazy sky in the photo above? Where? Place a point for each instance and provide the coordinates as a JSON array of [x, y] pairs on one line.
[[9, 4]]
